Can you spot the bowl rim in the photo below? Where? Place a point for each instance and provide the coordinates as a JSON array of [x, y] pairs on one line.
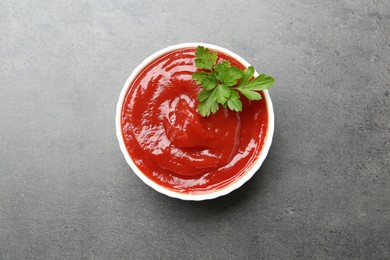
[[184, 196]]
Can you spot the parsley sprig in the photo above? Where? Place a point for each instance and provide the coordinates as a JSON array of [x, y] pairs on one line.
[[221, 85]]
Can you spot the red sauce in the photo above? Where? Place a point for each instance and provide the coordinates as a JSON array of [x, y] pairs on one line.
[[172, 144]]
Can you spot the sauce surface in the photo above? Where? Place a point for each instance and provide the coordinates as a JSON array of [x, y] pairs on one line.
[[172, 144]]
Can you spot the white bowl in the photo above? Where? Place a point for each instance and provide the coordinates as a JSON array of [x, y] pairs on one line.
[[195, 197]]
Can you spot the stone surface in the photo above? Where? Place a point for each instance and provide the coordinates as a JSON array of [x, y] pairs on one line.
[[66, 191]]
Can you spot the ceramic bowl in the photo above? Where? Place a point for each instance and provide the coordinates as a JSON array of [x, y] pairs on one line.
[[184, 196]]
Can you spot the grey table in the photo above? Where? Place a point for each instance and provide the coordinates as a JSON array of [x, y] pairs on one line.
[[66, 191]]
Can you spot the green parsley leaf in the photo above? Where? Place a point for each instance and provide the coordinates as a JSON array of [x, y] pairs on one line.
[[198, 76], [209, 82], [222, 83], [262, 82], [204, 94], [226, 74], [208, 105], [204, 58], [234, 102], [222, 93], [250, 94], [247, 74]]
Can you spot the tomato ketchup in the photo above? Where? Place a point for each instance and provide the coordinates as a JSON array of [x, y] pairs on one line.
[[172, 144]]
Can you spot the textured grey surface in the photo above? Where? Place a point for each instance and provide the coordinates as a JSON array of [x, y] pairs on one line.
[[66, 191]]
